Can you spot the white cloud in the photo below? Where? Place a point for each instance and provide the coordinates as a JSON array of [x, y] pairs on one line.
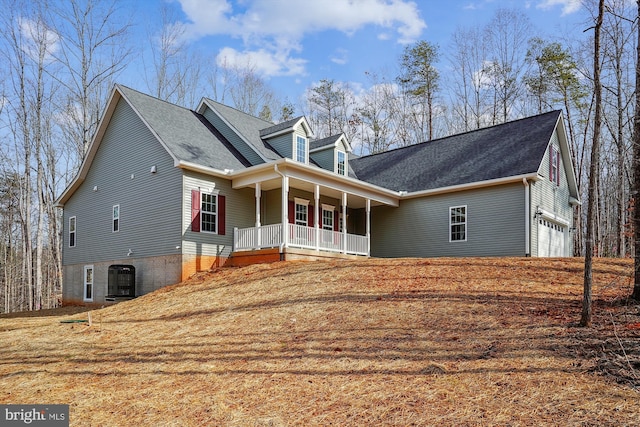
[[261, 61], [340, 56], [38, 36], [568, 6], [279, 26]]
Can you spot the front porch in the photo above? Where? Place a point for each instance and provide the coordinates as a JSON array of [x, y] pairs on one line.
[[301, 237], [309, 212]]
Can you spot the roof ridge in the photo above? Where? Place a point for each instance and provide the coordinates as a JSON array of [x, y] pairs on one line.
[[460, 134], [240, 111], [121, 86]]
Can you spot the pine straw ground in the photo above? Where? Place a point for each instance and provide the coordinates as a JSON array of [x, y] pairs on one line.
[[394, 342]]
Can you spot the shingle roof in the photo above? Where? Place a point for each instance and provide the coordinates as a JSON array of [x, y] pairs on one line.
[[185, 133], [510, 149], [248, 126], [279, 127], [330, 140]]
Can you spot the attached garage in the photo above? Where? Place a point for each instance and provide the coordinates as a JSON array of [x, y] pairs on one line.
[[553, 234]]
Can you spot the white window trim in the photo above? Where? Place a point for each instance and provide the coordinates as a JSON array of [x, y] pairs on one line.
[[466, 224], [306, 149], [85, 283], [114, 218], [301, 202], [74, 232], [554, 160], [327, 208], [346, 167], [213, 193]]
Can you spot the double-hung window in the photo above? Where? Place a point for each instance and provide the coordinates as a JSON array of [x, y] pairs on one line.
[[72, 232], [342, 163], [209, 212], [458, 224], [116, 218], [301, 212], [301, 149]]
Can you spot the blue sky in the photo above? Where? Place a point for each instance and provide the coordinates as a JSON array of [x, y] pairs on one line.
[[294, 43]]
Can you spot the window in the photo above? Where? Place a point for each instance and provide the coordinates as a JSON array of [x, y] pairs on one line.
[[458, 224], [87, 294], [554, 165], [301, 149], [116, 218], [342, 163], [208, 212], [301, 212], [327, 217], [72, 232]]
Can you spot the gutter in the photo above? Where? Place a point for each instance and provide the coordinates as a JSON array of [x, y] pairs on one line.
[[203, 169], [469, 186], [527, 219]]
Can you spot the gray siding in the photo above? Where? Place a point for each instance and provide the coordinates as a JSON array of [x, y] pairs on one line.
[[552, 198], [283, 144], [240, 145], [150, 203], [420, 227], [240, 212], [325, 158]]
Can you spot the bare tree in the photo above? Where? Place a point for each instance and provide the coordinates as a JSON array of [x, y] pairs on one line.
[[93, 50], [467, 58], [507, 34], [636, 169], [594, 171], [175, 72]]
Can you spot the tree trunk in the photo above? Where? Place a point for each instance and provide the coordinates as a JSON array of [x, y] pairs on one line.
[[585, 319], [636, 174]]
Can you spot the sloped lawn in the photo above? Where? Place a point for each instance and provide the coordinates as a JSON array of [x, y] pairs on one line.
[[483, 341]]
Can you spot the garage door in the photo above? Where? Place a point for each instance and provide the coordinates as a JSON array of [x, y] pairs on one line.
[[551, 239]]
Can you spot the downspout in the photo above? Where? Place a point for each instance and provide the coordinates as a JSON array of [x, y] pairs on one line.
[[527, 219], [281, 247]]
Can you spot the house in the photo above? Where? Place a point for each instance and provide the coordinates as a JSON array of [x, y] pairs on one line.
[[166, 191]]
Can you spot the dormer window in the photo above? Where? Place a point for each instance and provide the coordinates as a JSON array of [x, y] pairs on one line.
[[342, 163], [301, 149]]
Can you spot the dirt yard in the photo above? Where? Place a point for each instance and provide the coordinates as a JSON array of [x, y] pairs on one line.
[[447, 342]]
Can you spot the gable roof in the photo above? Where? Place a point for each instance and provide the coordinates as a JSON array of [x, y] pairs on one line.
[[184, 134], [330, 141], [507, 150], [284, 127]]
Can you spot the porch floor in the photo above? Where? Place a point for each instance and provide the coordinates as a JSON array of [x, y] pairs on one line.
[[261, 256]]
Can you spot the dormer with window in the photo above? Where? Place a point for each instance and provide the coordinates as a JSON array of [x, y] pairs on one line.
[[290, 139], [332, 153]]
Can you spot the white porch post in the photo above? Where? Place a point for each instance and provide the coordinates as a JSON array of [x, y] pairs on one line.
[[285, 211], [317, 218], [368, 232], [344, 223], [258, 234]]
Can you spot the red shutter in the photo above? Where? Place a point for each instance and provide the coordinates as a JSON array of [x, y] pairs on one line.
[[311, 212], [551, 161], [195, 210], [221, 215], [292, 212], [557, 167], [336, 220]]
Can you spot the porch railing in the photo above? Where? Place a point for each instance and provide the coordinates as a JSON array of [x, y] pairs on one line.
[[299, 236]]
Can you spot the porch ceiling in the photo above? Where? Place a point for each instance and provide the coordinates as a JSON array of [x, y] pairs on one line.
[[303, 177]]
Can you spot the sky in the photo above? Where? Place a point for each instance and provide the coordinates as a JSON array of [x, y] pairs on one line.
[[293, 44]]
